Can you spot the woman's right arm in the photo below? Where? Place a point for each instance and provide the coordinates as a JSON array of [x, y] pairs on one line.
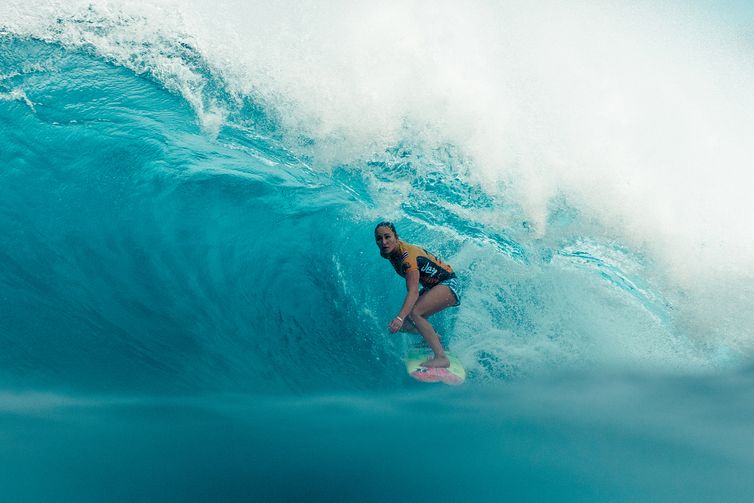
[[412, 294]]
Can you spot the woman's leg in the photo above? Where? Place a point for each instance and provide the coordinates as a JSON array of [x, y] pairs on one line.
[[434, 301], [408, 326]]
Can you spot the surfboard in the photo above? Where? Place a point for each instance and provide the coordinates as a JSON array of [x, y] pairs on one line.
[[418, 353]]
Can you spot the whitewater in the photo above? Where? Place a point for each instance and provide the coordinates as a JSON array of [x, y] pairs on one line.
[[193, 307]]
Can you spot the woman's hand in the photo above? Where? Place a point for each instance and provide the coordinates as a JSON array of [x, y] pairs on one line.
[[395, 324]]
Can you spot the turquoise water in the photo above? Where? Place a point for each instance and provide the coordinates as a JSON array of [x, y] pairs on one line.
[[193, 308]]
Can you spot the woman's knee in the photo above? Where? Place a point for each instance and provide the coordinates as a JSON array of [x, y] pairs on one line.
[[416, 312]]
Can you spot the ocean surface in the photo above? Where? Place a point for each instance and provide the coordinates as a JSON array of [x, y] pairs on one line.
[[193, 308]]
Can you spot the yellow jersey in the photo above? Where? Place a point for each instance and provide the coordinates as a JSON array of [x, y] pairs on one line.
[[432, 270]]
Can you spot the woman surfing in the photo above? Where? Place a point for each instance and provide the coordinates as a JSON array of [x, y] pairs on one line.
[[440, 288]]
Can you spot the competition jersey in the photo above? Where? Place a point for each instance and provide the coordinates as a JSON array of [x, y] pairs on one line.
[[413, 258]]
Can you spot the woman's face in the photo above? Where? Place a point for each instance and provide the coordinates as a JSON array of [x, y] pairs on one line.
[[386, 240]]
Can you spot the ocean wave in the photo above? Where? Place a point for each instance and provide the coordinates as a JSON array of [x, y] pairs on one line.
[[175, 185]]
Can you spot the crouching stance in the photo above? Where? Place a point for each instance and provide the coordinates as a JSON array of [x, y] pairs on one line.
[[440, 288]]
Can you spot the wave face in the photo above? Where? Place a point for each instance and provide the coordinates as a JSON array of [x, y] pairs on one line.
[[187, 201]]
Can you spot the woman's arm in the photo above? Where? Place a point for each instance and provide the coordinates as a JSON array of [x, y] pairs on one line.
[[412, 293]]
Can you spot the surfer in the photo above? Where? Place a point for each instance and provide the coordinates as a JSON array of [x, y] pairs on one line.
[[440, 288]]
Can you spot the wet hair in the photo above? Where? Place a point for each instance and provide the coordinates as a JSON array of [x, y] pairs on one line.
[[389, 225]]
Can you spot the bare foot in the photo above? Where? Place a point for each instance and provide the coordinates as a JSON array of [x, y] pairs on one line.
[[437, 362]]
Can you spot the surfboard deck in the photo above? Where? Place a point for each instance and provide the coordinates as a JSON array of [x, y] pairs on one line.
[[418, 353]]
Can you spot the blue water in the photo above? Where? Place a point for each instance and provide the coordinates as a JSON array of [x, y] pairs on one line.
[[193, 308]]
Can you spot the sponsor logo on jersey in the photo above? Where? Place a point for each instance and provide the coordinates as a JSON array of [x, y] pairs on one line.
[[427, 268]]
